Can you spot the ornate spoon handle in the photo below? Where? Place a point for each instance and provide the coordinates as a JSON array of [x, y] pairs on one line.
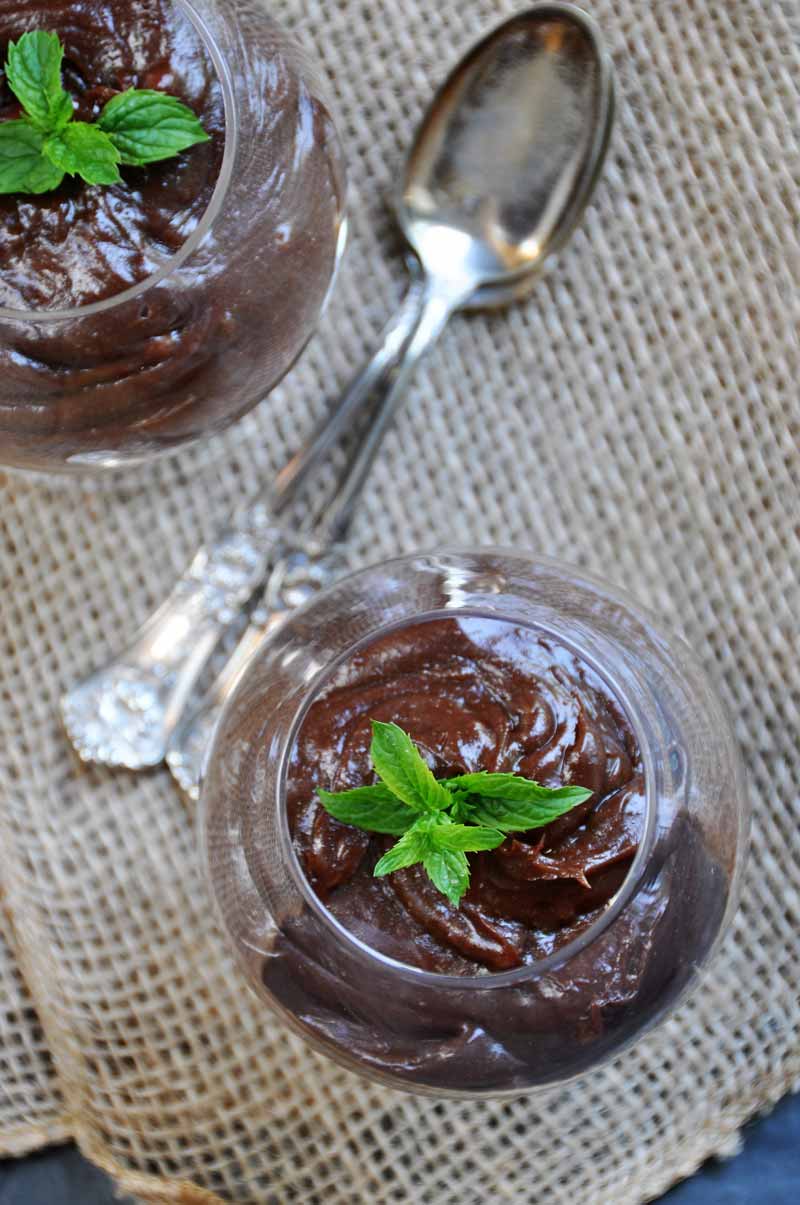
[[295, 579], [123, 714]]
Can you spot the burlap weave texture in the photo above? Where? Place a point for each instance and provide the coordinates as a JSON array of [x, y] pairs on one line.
[[638, 416]]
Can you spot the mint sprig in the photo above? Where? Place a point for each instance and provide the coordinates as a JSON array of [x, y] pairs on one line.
[[135, 128], [440, 821]]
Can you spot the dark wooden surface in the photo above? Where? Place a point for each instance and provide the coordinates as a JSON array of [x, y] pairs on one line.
[[767, 1172]]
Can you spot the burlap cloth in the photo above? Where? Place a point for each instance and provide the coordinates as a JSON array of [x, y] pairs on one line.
[[638, 416]]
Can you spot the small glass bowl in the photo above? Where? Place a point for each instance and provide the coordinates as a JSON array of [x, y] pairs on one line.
[[545, 1022], [190, 349]]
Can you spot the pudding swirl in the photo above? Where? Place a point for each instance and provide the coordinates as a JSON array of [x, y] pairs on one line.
[[473, 694]]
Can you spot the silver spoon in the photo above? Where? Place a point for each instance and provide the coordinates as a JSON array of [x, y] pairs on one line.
[[489, 270], [498, 176]]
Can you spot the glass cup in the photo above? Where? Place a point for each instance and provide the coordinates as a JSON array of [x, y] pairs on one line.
[[192, 347], [544, 1022]]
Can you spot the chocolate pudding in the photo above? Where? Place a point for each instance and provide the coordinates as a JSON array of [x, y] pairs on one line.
[[203, 343], [473, 694]]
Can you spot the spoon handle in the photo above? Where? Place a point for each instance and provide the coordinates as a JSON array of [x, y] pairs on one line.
[[347, 410], [122, 714], [433, 303]]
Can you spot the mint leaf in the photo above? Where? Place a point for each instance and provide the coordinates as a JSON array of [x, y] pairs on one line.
[[403, 769], [374, 808], [466, 838], [412, 847], [83, 150], [511, 802], [460, 808], [20, 154], [511, 817], [449, 872], [148, 126], [508, 786], [44, 177], [33, 71]]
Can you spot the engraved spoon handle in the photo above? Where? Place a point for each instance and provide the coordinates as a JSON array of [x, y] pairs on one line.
[[124, 713], [296, 578]]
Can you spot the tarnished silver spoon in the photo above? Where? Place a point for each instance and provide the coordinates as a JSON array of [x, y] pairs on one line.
[[499, 174]]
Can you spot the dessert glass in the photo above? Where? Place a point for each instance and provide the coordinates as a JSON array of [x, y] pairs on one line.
[[488, 1033], [100, 386]]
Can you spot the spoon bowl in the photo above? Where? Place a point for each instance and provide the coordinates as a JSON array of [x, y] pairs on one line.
[[508, 153]]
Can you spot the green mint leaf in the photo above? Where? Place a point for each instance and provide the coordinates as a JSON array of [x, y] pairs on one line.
[[374, 809], [412, 847], [460, 808], [510, 816], [448, 870], [148, 126], [505, 786], [83, 150], [33, 71], [20, 154], [404, 771], [551, 802], [465, 838], [44, 177]]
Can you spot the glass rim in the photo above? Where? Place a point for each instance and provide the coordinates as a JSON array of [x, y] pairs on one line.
[[485, 979], [190, 245]]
